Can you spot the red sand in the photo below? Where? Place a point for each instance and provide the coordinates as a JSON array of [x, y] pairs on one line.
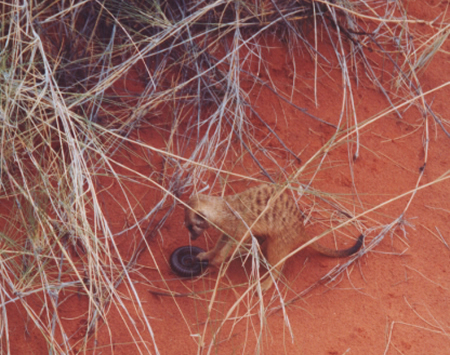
[[394, 300]]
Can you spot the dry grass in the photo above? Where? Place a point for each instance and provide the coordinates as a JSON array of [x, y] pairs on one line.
[[73, 113]]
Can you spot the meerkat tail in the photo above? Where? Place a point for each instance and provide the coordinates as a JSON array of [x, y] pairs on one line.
[[342, 253]]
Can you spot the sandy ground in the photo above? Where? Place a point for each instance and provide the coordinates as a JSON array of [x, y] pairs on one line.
[[392, 300]]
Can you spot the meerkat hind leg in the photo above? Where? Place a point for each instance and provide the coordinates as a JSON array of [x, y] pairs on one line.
[[275, 251]]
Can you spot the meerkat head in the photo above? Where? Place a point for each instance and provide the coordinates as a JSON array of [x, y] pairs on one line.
[[194, 222]]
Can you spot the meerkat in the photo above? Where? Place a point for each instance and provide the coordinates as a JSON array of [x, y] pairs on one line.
[[280, 225]]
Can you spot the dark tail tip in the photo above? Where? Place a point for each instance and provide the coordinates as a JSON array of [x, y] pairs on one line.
[[356, 247]]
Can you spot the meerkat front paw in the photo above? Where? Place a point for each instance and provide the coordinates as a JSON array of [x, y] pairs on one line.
[[203, 256], [207, 256]]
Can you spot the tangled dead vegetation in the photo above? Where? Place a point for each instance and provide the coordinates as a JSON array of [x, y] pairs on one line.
[[123, 108]]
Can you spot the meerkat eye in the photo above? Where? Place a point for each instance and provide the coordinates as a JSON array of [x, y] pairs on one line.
[[197, 225], [199, 221]]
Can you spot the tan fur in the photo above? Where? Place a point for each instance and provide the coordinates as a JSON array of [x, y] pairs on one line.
[[281, 225]]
